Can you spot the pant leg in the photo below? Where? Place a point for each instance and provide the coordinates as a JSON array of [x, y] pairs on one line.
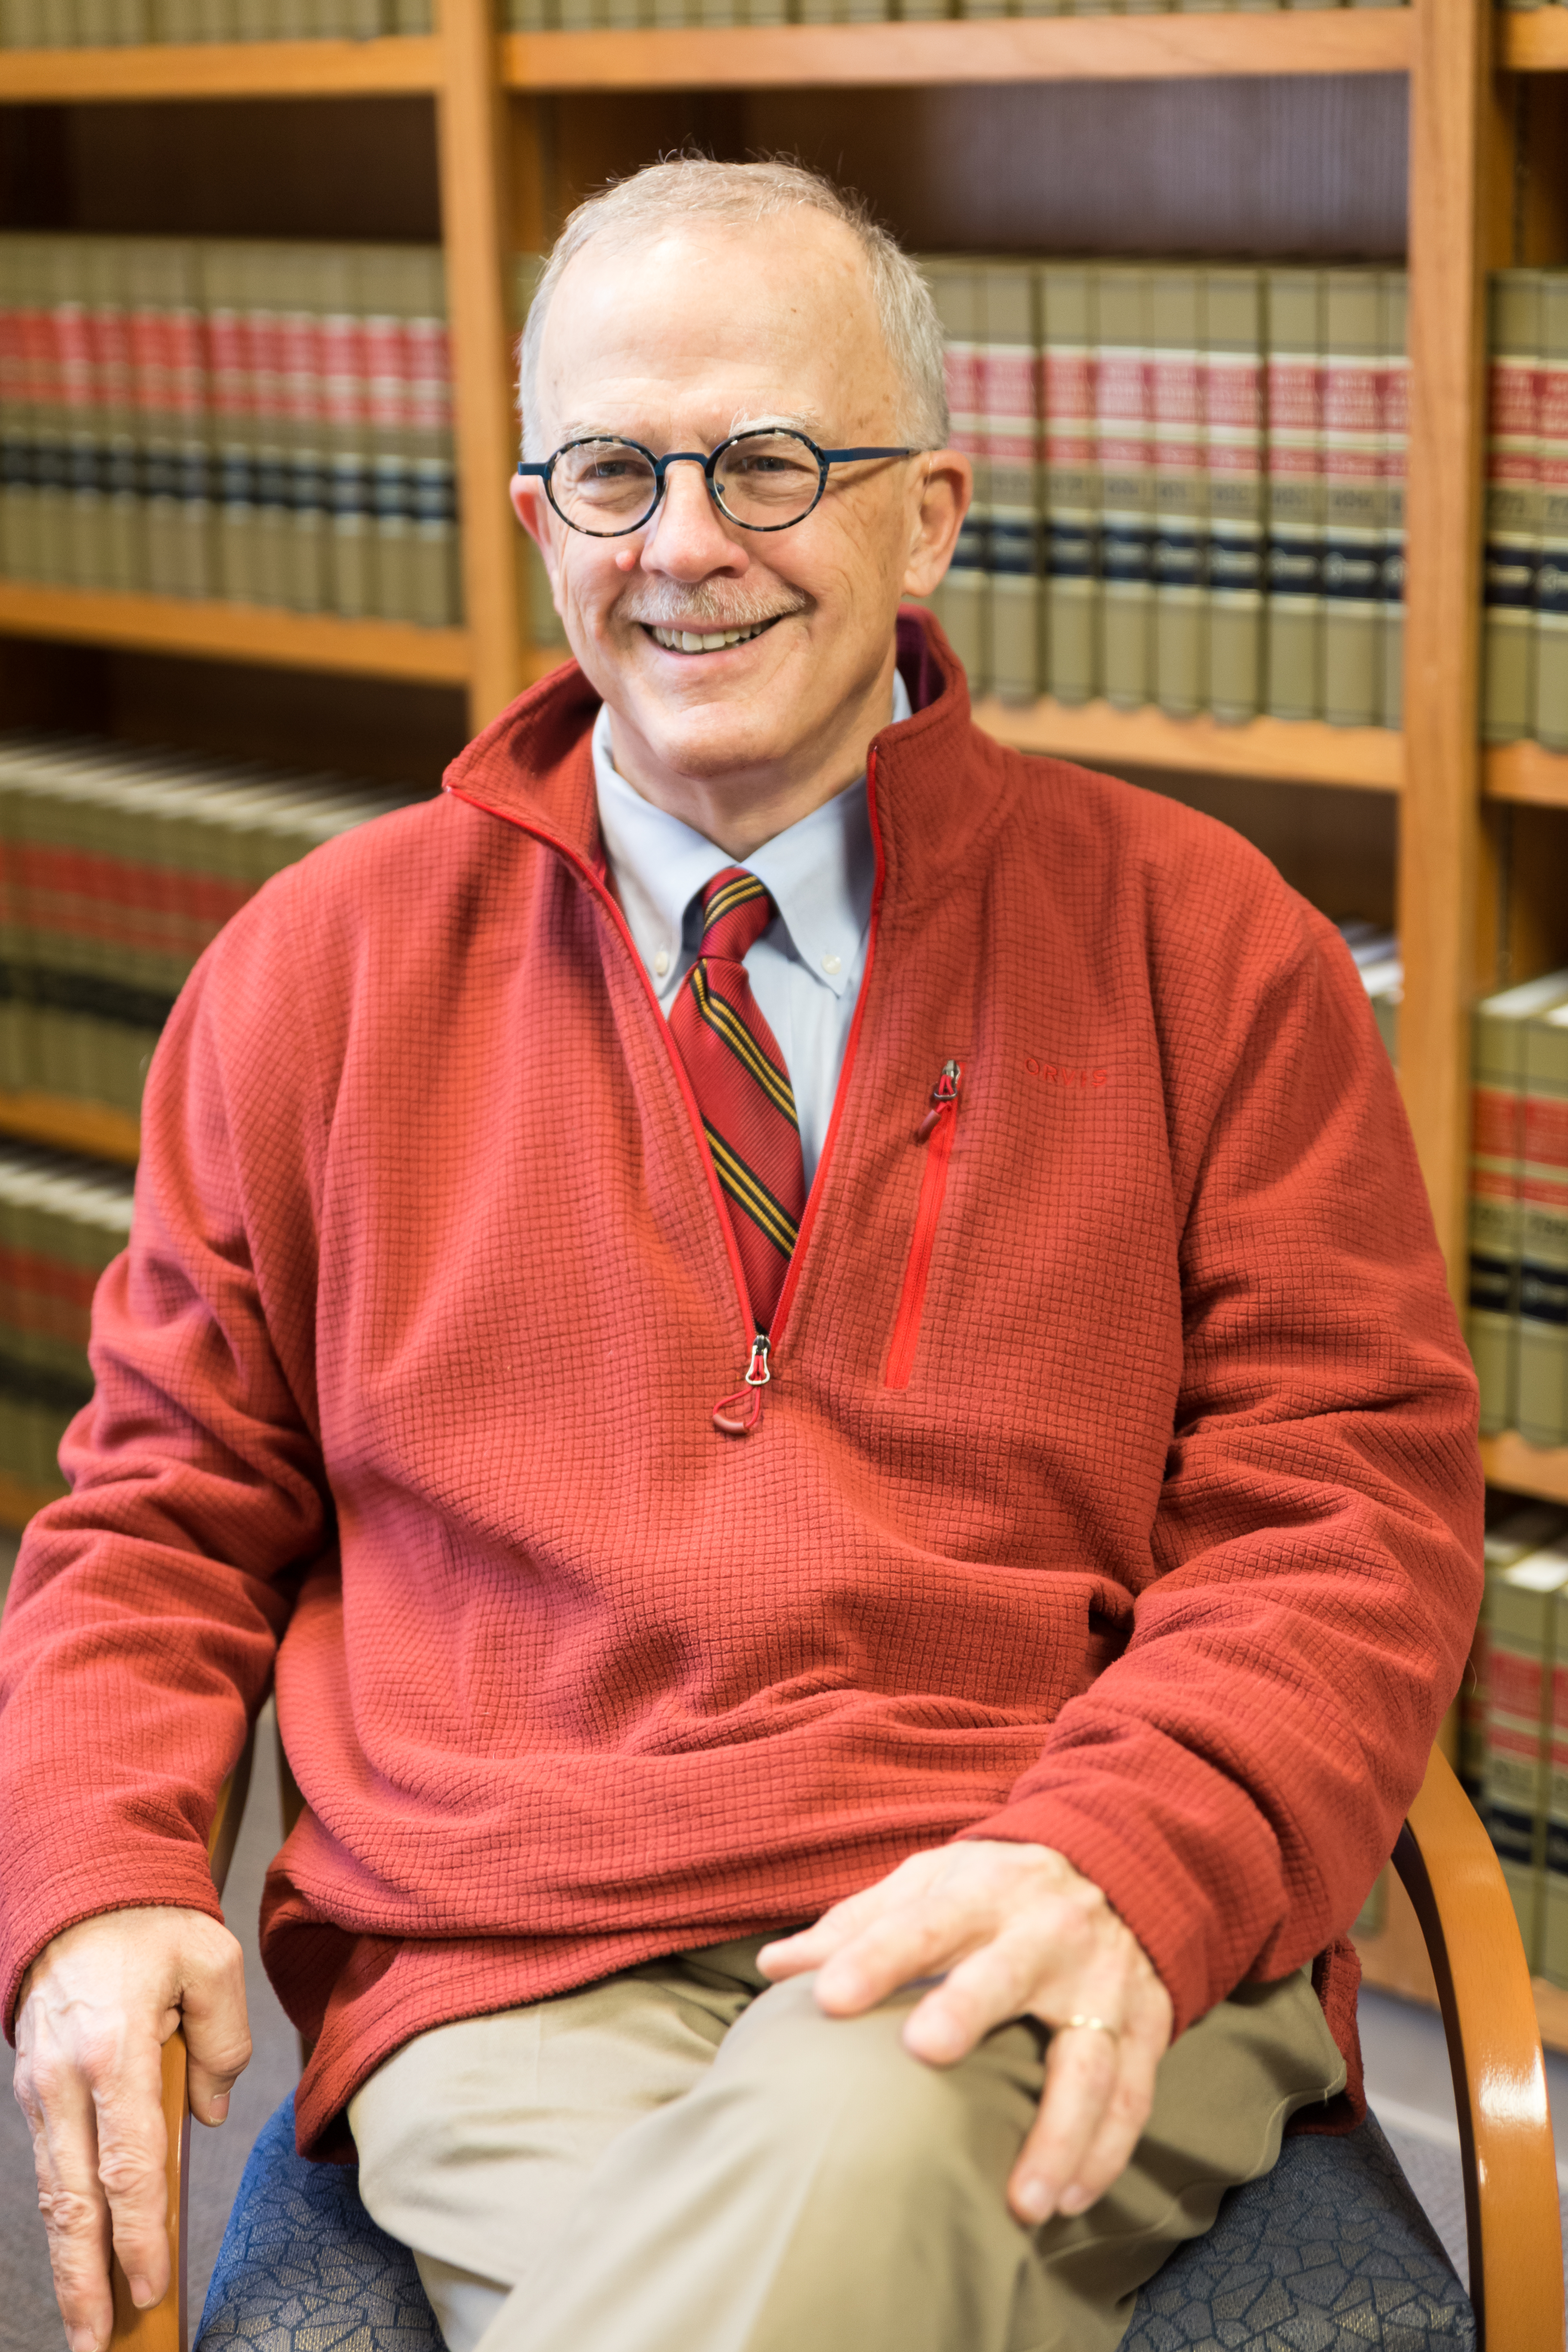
[[475, 2138], [818, 2186]]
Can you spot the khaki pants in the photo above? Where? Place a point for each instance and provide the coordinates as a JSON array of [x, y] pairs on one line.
[[682, 2159]]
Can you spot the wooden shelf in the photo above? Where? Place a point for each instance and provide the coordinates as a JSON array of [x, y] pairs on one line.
[[63, 1125], [1534, 43], [213, 631], [221, 69], [1511, 1461], [990, 49], [1281, 751], [1526, 771], [18, 1501]]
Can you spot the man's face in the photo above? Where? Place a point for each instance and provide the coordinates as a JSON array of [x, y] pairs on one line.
[[678, 342]]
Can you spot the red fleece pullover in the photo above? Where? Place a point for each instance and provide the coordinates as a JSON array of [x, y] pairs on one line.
[[1146, 1523]]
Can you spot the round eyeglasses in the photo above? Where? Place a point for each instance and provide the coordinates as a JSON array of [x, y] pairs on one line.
[[763, 481]]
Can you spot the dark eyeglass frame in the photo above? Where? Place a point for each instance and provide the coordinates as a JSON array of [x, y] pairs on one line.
[[544, 471]]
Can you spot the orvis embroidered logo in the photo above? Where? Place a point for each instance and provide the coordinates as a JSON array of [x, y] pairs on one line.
[[1056, 1074]]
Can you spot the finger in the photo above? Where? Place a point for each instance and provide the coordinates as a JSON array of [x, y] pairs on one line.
[[59, 2107], [1082, 2065], [133, 2155], [920, 1938], [217, 2033], [994, 1983], [1121, 2127], [792, 1956]]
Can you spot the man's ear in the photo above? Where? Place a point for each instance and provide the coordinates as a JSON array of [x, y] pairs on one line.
[[531, 509], [945, 492]]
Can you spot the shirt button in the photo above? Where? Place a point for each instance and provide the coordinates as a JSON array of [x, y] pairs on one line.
[[831, 963], [661, 963]]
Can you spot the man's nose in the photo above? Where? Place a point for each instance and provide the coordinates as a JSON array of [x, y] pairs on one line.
[[687, 537]]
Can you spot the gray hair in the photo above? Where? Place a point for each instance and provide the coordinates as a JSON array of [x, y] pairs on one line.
[[695, 188]]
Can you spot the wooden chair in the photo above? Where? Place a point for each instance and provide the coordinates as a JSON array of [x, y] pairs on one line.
[[1511, 2207]]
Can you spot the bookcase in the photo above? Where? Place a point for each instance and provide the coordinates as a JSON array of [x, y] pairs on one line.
[[950, 126]]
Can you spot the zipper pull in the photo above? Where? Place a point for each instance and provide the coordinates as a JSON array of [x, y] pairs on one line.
[[738, 1414], [944, 1097]]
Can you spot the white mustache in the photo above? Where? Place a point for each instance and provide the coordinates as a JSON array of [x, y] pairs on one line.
[[706, 607]]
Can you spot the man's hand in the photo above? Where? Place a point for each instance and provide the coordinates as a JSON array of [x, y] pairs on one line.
[[1012, 1931], [97, 2006]]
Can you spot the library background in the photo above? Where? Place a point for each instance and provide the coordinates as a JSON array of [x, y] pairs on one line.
[[1257, 324]]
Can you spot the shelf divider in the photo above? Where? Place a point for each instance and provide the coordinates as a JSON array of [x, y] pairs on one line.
[[221, 69], [1276, 751], [1534, 42], [60, 1124], [1511, 1461], [1439, 840], [1525, 772], [996, 49], [212, 630], [473, 216]]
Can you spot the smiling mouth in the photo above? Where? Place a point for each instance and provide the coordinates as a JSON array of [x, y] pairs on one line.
[[708, 641]]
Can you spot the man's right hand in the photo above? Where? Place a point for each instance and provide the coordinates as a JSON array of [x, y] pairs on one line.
[[97, 2006]]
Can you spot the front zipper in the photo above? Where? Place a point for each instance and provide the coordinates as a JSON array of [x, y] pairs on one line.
[[936, 1132], [739, 1414]]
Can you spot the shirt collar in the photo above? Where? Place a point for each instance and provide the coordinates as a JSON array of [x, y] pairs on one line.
[[820, 871]]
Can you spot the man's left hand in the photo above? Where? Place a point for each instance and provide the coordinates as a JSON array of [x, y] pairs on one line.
[[1012, 1931]]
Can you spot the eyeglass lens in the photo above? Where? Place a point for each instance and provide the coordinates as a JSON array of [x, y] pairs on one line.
[[764, 480]]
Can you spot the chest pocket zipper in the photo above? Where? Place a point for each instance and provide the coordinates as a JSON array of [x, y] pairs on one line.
[[936, 1131]]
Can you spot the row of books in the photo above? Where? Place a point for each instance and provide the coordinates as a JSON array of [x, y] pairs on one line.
[[117, 867], [1513, 1752], [585, 16], [1517, 1321], [1189, 484], [1525, 674], [61, 1221], [264, 422], [133, 24]]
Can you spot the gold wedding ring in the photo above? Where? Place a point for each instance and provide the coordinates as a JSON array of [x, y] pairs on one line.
[[1092, 2024]]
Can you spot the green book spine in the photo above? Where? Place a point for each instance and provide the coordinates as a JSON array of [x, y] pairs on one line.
[[1543, 1235], [1551, 664], [1520, 1632], [1234, 427], [1353, 503], [1127, 486], [51, 412], [1178, 381], [1513, 506], [1072, 482], [1009, 393], [1496, 1150], [1295, 493], [961, 600], [1554, 1913], [224, 275], [1507, 1541], [1396, 404]]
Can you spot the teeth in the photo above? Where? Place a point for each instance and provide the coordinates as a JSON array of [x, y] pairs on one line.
[[686, 641]]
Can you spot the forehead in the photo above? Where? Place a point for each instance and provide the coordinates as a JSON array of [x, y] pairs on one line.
[[772, 318]]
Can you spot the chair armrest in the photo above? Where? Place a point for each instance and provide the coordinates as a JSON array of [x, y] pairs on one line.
[[165, 2328], [1513, 2217]]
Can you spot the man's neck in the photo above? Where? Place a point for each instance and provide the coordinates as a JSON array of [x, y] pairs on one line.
[[739, 811]]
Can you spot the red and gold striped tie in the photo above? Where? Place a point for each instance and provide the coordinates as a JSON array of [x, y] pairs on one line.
[[741, 1086]]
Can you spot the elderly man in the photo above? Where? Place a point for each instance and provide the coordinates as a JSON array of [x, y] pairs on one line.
[[813, 1351]]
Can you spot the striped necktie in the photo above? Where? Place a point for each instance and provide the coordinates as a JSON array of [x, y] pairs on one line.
[[741, 1086]]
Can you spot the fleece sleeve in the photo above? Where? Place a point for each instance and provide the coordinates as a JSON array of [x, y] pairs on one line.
[[1234, 1780], [146, 1606]]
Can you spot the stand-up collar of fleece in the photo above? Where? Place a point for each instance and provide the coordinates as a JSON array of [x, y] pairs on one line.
[[938, 787]]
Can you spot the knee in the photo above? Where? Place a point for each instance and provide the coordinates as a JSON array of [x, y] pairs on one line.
[[849, 2081]]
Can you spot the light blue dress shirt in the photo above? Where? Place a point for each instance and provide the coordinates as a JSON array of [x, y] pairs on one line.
[[805, 970]]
